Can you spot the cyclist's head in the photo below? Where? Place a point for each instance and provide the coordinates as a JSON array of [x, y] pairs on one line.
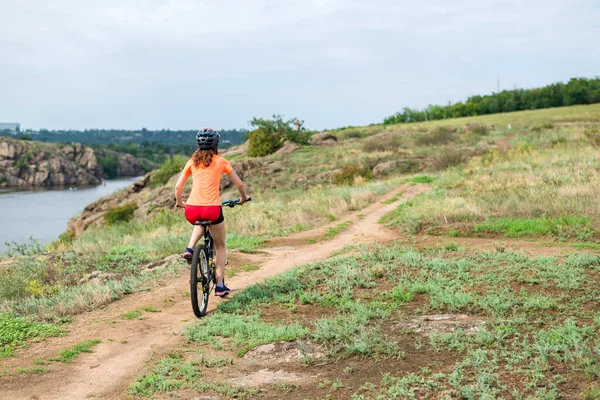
[[208, 139]]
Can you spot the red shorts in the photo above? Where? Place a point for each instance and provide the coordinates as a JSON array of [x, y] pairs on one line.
[[213, 214]]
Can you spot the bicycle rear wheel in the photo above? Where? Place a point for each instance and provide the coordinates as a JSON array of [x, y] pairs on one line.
[[200, 279]]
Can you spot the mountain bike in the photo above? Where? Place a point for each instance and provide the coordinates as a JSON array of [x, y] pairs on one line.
[[203, 273]]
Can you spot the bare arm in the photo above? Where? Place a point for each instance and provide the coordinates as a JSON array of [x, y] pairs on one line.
[[179, 188], [235, 179]]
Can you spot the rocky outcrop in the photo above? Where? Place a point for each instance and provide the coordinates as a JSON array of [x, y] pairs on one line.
[[25, 164], [288, 148], [128, 165], [323, 139]]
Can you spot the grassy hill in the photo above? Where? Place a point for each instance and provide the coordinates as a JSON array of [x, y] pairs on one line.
[[483, 292]]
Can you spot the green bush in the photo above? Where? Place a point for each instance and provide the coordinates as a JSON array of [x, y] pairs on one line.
[[172, 166], [21, 163], [269, 134], [262, 143], [120, 214], [66, 237], [109, 164], [349, 172]]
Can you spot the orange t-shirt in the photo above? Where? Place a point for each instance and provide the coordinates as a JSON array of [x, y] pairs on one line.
[[206, 181]]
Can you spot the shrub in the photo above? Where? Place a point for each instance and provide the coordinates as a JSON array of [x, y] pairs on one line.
[[269, 134], [21, 163], [480, 130], [170, 167], [66, 237], [262, 143], [109, 164], [383, 143], [349, 172], [447, 158], [120, 214], [440, 135]]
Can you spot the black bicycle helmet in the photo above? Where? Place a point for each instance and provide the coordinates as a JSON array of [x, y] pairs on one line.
[[207, 138]]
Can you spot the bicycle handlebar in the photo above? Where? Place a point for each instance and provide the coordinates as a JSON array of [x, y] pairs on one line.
[[228, 203], [233, 203]]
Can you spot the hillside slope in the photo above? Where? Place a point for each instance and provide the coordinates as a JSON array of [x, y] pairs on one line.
[[484, 283]]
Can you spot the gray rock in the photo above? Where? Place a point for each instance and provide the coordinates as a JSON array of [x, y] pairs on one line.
[[323, 139]]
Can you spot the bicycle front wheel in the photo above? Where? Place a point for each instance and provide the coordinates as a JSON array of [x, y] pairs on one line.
[[200, 280]]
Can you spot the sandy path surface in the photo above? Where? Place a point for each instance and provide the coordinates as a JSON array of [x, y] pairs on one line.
[[126, 344]]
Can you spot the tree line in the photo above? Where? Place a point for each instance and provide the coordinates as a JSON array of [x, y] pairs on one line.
[[90, 137], [576, 91]]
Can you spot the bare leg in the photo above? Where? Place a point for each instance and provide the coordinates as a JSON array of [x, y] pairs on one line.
[[196, 235], [218, 234]]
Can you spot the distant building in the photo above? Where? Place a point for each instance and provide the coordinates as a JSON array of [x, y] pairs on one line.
[[10, 126]]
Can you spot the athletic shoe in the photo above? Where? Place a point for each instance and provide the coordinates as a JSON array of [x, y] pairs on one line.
[[188, 253], [222, 290]]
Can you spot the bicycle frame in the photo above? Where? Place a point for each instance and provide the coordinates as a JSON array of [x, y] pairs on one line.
[[210, 246]]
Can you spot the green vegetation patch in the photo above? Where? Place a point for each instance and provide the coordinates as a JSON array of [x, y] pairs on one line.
[[14, 331], [333, 231], [244, 332], [350, 173], [171, 167], [422, 179], [245, 244], [68, 355], [135, 314], [513, 227], [122, 213], [169, 373]]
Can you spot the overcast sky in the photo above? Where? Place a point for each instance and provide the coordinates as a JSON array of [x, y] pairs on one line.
[[188, 64]]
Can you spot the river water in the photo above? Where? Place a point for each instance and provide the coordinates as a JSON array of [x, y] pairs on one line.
[[43, 213]]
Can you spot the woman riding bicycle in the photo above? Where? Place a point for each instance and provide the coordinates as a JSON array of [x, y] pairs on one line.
[[204, 203]]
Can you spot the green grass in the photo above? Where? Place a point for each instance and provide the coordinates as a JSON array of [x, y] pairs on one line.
[[333, 231], [35, 370], [422, 179], [244, 332], [169, 374], [250, 267], [150, 309], [512, 227], [245, 244], [134, 314], [68, 355], [534, 313], [581, 246], [15, 331]]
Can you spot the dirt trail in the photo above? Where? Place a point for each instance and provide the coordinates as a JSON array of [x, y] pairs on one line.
[[126, 344]]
